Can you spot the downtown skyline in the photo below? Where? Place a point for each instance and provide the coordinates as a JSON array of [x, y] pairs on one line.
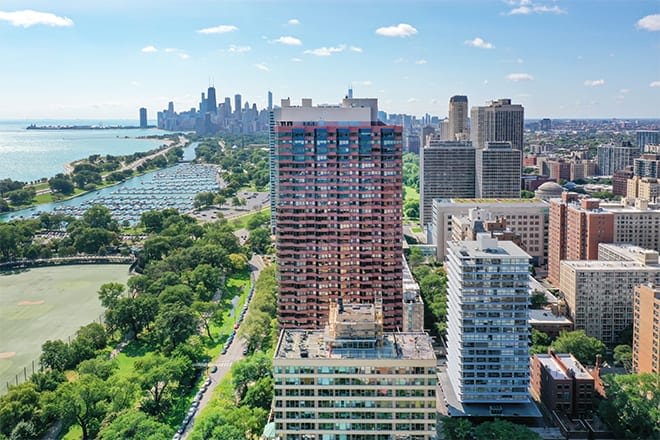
[[559, 59]]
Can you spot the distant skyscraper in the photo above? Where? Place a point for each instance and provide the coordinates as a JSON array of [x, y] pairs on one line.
[[446, 171], [211, 103], [227, 107], [546, 124], [237, 104], [613, 158], [338, 210], [500, 121], [498, 171], [270, 100], [458, 118], [143, 118], [487, 321]]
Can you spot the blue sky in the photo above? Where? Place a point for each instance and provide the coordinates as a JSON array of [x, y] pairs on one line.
[[105, 59]]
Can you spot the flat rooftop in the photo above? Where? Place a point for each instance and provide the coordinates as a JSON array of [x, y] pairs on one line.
[[547, 317], [553, 365], [613, 266], [473, 249], [314, 344], [521, 202]]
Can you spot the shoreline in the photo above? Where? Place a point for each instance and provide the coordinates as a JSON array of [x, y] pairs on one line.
[[69, 167]]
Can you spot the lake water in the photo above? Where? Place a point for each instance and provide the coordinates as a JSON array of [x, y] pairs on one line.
[[28, 155]]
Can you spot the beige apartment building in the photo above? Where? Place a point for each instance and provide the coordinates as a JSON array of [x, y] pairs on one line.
[[599, 293], [353, 381], [646, 329], [527, 218], [645, 188]]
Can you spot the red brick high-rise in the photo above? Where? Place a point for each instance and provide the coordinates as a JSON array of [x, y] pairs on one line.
[[338, 210]]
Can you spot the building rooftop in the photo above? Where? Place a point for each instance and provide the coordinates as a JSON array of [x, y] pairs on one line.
[[547, 317], [561, 366], [487, 247], [630, 252], [313, 344], [617, 266], [522, 202]]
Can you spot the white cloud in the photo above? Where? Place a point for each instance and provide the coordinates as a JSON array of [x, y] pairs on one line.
[[355, 49], [172, 50], [399, 61], [326, 51], [296, 60], [412, 99], [149, 49], [184, 56], [649, 23], [28, 17], [624, 91], [594, 82], [262, 66], [519, 77], [366, 83], [400, 30], [480, 43], [421, 62], [527, 8], [288, 41], [238, 49], [520, 60], [294, 22], [485, 81], [135, 83], [221, 29], [655, 84]]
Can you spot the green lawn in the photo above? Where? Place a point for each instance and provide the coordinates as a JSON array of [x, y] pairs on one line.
[[411, 194], [241, 221]]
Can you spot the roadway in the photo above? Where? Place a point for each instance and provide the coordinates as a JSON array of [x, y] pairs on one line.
[[225, 361]]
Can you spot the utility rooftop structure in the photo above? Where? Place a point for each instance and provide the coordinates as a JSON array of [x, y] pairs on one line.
[[354, 377]]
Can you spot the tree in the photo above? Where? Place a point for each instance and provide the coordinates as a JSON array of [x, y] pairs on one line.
[[237, 262], [132, 314], [135, 425], [632, 408], [207, 313], [174, 324], [20, 404], [259, 240], [455, 428], [504, 430], [540, 342], [109, 294], [227, 432], [260, 394], [61, 185], [177, 294], [152, 221], [203, 199], [525, 194], [583, 347], [21, 196], [85, 402], [99, 367], [623, 355], [47, 380], [55, 355], [208, 276], [158, 376], [99, 216], [91, 240], [411, 209], [538, 300], [24, 431], [249, 370]]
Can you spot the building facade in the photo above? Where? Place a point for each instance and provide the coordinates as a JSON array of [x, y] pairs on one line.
[[526, 217], [487, 321], [499, 121], [498, 171], [599, 294], [562, 383], [613, 158], [337, 211], [354, 381], [648, 165], [458, 118], [645, 137], [447, 170], [143, 118], [646, 329], [576, 228], [645, 188]]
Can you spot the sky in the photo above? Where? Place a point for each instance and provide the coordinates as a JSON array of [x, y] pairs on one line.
[[105, 59]]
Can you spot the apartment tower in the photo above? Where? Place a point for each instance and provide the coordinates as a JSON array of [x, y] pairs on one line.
[[646, 329], [499, 121], [458, 118], [497, 171], [337, 210], [487, 321]]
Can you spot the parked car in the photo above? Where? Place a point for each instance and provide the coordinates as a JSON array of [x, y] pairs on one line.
[[245, 351], [214, 369]]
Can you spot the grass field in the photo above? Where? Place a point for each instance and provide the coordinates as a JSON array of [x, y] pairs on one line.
[[47, 303]]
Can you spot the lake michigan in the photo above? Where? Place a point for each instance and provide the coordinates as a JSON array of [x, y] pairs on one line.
[[28, 155]]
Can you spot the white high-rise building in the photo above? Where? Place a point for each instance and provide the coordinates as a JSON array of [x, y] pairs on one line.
[[487, 322], [497, 122]]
